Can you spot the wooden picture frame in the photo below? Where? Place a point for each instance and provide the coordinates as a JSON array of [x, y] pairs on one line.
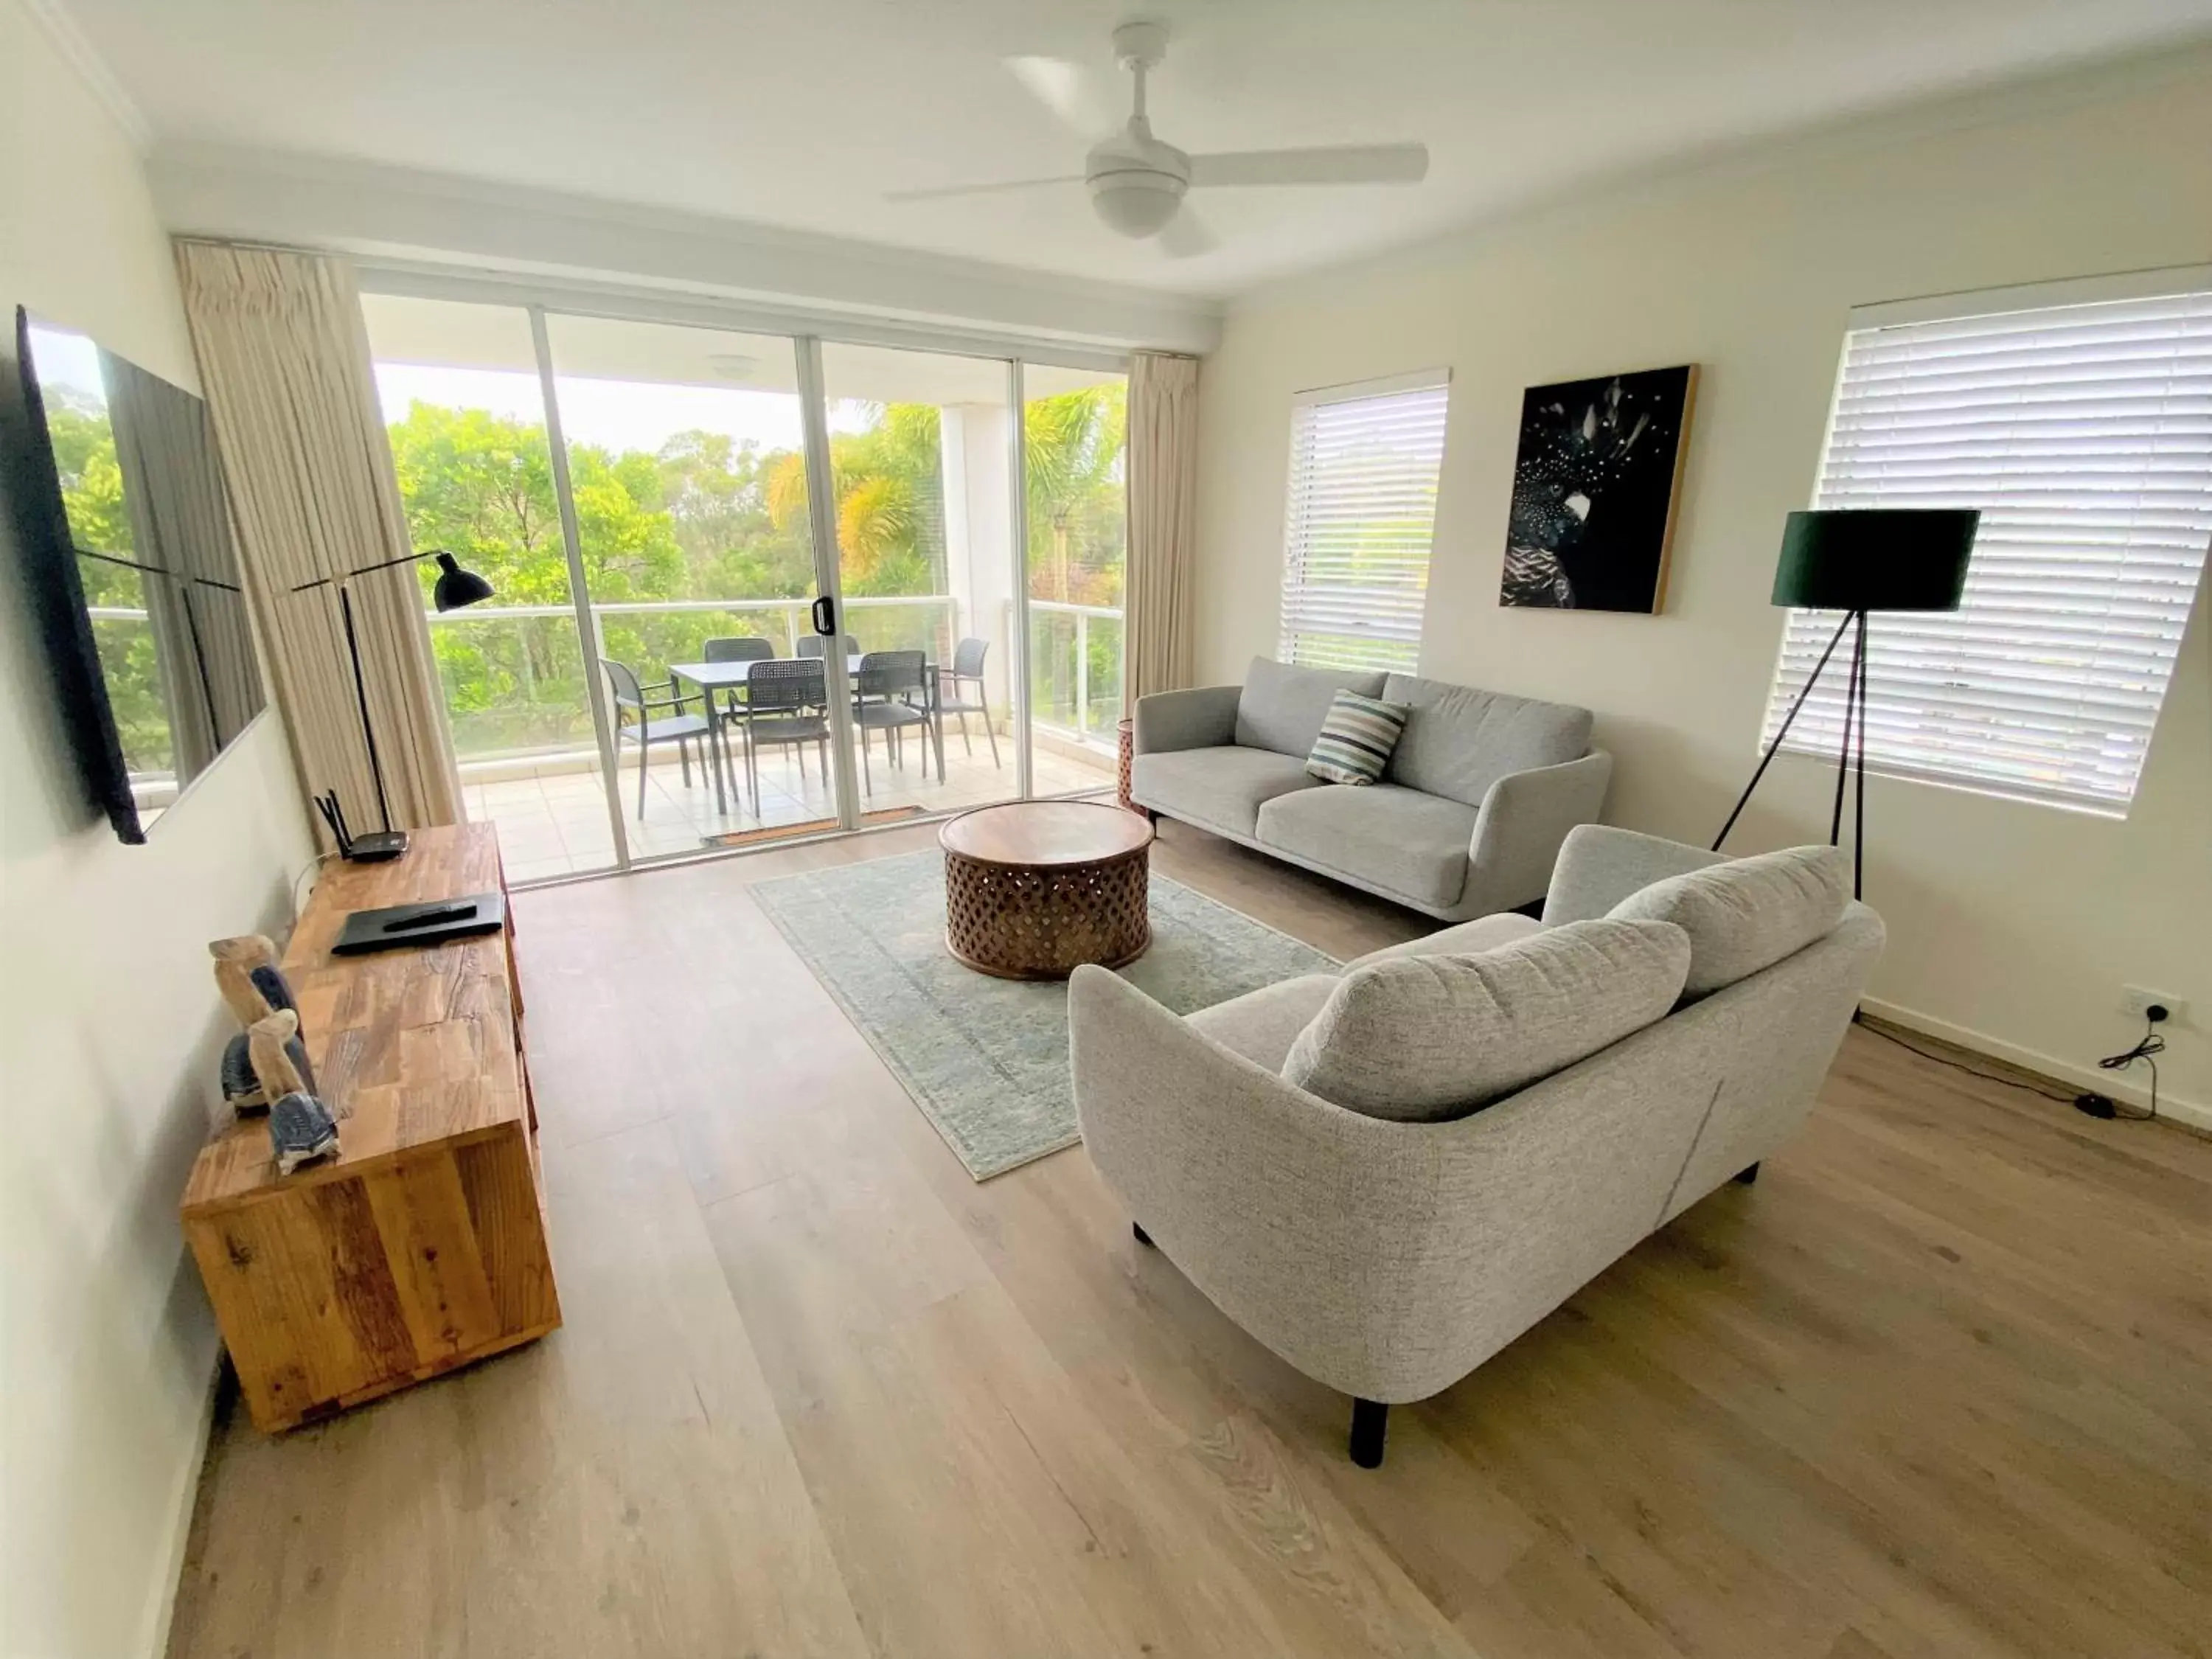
[[1597, 486]]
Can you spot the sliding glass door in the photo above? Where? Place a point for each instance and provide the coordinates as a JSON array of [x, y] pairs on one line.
[[647, 681], [921, 446], [1074, 485], [464, 407], [686, 451]]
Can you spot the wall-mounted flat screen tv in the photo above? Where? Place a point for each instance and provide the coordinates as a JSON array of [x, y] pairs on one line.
[[131, 565]]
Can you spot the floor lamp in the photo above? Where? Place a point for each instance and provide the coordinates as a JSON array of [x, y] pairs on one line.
[[455, 587], [1860, 560]]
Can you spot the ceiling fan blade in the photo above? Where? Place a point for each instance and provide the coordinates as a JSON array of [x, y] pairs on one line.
[[942, 191], [1187, 235], [1337, 164], [1078, 95]]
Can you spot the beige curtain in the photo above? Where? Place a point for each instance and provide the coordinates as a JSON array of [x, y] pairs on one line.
[[283, 358], [1159, 651]]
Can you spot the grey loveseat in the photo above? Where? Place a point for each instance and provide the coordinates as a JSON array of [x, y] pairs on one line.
[[1386, 1257], [1466, 821]]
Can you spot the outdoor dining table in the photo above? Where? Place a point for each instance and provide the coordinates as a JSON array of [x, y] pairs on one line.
[[715, 678]]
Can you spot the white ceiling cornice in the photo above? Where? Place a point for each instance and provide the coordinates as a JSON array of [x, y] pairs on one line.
[[81, 55], [403, 215]]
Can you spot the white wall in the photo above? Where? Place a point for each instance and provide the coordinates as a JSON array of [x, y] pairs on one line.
[[109, 1024], [2017, 924], [441, 222]]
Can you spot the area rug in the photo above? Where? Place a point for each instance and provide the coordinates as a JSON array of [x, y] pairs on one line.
[[987, 1059]]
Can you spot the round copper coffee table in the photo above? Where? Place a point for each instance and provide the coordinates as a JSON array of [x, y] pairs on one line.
[[1034, 888]]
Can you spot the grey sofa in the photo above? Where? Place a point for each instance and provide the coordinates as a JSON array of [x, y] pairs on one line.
[[1466, 820], [1388, 1258]]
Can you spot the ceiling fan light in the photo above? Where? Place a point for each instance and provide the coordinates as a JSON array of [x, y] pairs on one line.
[[1137, 204]]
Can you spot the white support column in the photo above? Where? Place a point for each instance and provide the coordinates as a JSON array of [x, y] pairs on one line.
[[979, 534]]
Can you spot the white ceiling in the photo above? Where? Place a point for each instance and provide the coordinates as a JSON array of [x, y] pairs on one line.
[[801, 113]]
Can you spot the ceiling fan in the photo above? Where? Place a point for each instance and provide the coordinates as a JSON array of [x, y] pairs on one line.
[[1136, 182]]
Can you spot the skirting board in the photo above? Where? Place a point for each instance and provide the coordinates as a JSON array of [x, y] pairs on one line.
[[2193, 1113], [162, 1597]]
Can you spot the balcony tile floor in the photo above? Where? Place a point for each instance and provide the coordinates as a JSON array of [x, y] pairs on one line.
[[554, 823]]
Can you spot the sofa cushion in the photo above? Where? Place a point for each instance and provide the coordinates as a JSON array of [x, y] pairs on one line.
[[1419, 1039], [1356, 739], [1413, 845], [1458, 741], [1465, 939], [1220, 789], [1262, 1024], [1281, 708], [1748, 914]]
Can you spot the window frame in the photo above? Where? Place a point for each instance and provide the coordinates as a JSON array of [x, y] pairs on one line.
[[2176, 283], [1439, 379]]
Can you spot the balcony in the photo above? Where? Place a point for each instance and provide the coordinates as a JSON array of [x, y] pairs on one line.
[[529, 761], [1075, 671]]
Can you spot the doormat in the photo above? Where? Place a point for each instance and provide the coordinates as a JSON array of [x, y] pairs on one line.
[[809, 827]]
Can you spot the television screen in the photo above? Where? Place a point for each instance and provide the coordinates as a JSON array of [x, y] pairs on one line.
[[119, 502]]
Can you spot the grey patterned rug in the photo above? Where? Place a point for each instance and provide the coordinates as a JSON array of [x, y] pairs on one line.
[[987, 1059]]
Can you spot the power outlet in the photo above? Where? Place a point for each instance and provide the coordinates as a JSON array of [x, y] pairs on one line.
[[2136, 1001]]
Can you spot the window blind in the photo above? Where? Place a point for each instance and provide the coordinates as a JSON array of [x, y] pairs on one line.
[[1360, 519], [2083, 432]]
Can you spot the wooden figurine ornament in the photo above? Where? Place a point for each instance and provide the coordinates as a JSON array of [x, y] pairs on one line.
[[253, 986], [300, 1126]]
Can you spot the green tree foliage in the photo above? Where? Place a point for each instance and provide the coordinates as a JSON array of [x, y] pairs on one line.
[[92, 491], [1074, 444], [711, 517], [92, 495], [1072, 448]]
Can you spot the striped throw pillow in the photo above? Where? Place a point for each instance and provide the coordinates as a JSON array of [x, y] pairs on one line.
[[1356, 739]]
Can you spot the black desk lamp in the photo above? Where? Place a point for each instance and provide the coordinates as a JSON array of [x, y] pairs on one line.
[[455, 588], [1857, 560]]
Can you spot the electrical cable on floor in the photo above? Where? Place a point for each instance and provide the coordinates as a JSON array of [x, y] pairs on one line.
[[1961, 1066], [2094, 1105], [2148, 1048]]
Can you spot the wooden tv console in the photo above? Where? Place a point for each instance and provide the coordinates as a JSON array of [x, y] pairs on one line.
[[421, 1245]]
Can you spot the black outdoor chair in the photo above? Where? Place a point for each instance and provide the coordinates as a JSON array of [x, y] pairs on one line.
[[810, 645], [750, 648], [951, 694], [787, 706], [891, 693], [636, 720]]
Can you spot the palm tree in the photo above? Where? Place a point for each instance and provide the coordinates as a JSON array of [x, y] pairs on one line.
[[1072, 450], [889, 488], [890, 498]]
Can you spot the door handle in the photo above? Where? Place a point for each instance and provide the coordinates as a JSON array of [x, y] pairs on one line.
[[825, 615]]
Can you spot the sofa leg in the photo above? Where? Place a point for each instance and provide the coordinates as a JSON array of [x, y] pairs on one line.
[[1369, 1423], [1143, 1237], [1747, 1176]]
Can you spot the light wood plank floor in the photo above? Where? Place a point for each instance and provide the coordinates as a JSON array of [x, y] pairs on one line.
[[1937, 1386]]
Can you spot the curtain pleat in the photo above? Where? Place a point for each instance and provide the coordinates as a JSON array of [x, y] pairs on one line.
[[1160, 646], [283, 358]]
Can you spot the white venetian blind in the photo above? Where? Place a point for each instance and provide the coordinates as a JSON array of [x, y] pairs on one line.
[[2083, 432], [1361, 516]]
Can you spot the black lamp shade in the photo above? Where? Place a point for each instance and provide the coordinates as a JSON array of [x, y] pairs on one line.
[[1870, 559], [456, 587]]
